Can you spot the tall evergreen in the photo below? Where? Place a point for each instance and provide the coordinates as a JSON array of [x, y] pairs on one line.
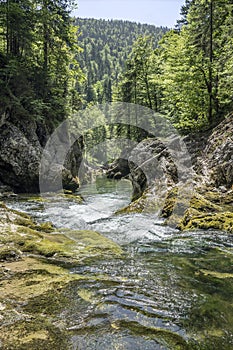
[[37, 46], [106, 46], [189, 77]]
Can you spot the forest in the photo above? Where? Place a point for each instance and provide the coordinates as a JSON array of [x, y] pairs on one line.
[[38, 69], [52, 64], [116, 179], [188, 78], [105, 48]]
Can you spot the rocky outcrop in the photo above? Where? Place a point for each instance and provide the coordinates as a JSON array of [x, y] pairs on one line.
[[19, 159], [216, 162], [21, 146], [208, 202], [147, 165], [119, 168], [151, 166]]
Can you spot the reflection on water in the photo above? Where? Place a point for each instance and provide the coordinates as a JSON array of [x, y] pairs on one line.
[[170, 290]]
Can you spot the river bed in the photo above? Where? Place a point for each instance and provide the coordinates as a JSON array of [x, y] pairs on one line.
[[169, 290]]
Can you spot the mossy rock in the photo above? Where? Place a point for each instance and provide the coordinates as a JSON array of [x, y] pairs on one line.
[[196, 201], [200, 203], [147, 203], [137, 206], [170, 202], [165, 337], [35, 276], [205, 210], [73, 245], [216, 221], [8, 253], [22, 233], [29, 291]]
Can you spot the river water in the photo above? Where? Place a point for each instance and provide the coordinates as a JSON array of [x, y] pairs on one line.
[[169, 290]]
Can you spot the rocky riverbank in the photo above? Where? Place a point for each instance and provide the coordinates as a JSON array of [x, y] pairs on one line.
[[35, 262], [204, 203]]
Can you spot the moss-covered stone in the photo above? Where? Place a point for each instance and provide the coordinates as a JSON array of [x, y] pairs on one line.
[[147, 203], [8, 253], [217, 221], [216, 274], [34, 277], [22, 233], [170, 202], [200, 203], [204, 210], [136, 206], [165, 337]]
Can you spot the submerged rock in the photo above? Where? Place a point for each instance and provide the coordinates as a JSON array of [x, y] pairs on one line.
[[20, 232], [34, 275]]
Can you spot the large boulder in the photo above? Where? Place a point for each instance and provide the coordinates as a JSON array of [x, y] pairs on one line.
[[19, 159], [151, 165], [119, 168], [21, 147]]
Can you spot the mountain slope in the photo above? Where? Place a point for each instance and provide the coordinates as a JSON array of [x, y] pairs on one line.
[[106, 45]]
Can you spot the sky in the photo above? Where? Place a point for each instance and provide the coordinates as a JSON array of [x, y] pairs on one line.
[[157, 12]]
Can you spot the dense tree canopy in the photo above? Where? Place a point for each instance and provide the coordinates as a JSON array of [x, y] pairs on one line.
[[189, 77], [185, 73], [37, 45], [106, 45]]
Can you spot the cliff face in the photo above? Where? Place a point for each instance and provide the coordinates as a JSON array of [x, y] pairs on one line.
[[216, 163], [21, 146], [20, 153], [207, 201]]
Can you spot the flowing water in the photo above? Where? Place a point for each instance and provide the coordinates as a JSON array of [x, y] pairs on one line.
[[169, 290]]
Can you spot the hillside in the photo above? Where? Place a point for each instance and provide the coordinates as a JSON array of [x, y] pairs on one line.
[[106, 45]]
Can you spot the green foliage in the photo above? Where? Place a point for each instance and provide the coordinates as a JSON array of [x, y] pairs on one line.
[[189, 77], [140, 83], [201, 67], [37, 65], [106, 45]]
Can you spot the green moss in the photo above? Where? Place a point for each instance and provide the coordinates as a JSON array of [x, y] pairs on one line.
[[24, 220], [146, 203], [216, 221], [206, 210], [45, 227], [34, 198], [135, 207], [8, 253], [31, 277], [170, 202], [42, 239], [200, 203], [33, 281], [47, 247], [216, 274], [74, 197], [86, 295], [37, 334], [165, 337]]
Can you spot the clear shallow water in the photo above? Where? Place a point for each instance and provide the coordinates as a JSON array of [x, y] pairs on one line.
[[170, 290]]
